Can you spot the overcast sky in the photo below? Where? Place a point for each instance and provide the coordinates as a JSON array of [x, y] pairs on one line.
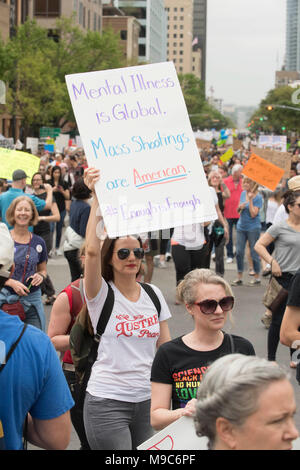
[[245, 46]]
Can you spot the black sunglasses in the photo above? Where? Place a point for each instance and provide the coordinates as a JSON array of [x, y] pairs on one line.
[[210, 306], [123, 253]]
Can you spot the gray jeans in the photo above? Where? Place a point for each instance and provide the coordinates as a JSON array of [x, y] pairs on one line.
[[116, 425]]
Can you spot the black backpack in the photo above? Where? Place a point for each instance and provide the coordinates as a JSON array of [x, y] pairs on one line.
[[84, 343]]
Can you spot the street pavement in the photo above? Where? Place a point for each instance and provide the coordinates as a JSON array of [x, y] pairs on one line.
[[246, 314]]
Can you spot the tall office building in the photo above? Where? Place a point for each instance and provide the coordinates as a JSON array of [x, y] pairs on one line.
[[153, 19], [200, 32], [293, 35]]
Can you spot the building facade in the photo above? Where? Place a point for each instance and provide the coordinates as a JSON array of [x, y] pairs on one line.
[[293, 35], [152, 18]]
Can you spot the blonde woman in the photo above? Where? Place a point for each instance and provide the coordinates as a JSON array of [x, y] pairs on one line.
[[180, 364]]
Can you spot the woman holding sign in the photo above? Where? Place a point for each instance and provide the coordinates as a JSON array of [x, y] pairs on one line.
[[117, 402], [180, 364]]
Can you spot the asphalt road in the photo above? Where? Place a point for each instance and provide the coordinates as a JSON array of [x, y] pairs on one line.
[[247, 314]]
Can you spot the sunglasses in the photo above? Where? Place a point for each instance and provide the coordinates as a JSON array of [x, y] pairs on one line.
[[123, 253], [210, 306]]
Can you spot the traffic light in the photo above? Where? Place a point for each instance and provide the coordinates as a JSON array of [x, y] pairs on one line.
[[270, 107], [283, 128]]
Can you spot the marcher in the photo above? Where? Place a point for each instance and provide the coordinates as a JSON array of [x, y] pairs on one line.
[[16, 190], [289, 331], [75, 232], [42, 228], [209, 300], [234, 184], [31, 381], [61, 193], [284, 261], [30, 262], [117, 402], [246, 403], [248, 229], [63, 314]]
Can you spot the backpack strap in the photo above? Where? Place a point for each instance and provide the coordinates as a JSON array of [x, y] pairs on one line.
[[13, 347], [153, 296], [232, 346]]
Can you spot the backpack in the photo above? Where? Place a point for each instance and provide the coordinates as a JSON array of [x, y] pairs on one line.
[[84, 343]]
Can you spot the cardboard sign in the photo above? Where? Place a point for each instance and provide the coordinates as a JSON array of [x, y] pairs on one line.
[[227, 156], [11, 160], [180, 435], [263, 172], [280, 159], [135, 128]]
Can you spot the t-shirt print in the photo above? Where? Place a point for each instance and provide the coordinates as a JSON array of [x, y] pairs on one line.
[[136, 324]]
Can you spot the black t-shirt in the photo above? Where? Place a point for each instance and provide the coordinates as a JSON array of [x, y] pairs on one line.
[[294, 291], [183, 368], [59, 197]]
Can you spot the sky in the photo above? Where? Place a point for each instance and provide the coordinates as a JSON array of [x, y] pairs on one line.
[[245, 46]]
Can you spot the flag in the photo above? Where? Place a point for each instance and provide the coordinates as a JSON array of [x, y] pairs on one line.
[[195, 41]]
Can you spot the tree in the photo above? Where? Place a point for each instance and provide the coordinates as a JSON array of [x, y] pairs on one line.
[[202, 115], [277, 119], [34, 67]]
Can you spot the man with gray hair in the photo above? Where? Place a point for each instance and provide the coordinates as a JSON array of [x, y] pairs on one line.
[[33, 386], [234, 184], [246, 403]]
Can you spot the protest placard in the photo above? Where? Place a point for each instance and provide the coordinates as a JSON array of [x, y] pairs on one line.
[[227, 155], [273, 142], [180, 435], [135, 128], [11, 160], [280, 159], [32, 143], [263, 172]]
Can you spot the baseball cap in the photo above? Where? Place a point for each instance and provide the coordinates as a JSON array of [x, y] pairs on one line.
[[6, 251], [18, 175], [294, 183]]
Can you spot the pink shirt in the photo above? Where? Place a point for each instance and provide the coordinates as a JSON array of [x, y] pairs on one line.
[[231, 204]]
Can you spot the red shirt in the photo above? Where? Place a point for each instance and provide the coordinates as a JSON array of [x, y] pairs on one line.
[[232, 203]]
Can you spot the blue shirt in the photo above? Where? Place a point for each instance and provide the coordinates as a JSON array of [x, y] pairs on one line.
[[32, 380], [7, 197], [246, 222]]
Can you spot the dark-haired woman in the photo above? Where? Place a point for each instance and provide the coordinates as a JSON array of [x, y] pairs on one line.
[[75, 232], [43, 229], [284, 261], [61, 194], [117, 402]]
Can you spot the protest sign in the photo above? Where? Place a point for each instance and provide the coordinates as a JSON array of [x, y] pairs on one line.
[[227, 155], [32, 143], [180, 435], [11, 160], [61, 142], [203, 144], [280, 159], [273, 142], [263, 172], [135, 128]]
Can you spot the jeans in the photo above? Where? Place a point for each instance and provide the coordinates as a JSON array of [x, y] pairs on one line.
[[116, 425], [33, 306], [229, 246], [241, 238], [59, 226]]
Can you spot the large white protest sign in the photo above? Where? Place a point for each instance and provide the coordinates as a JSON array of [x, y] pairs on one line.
[[273, 142], [180, 435], [135, 128]]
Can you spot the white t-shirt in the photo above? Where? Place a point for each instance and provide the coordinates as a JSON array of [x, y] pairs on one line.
[[281, 215], [192, 236], [272, 207], [127, 347]]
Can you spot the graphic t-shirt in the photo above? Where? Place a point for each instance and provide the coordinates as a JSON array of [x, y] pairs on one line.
[[183, 368], [37, 254], [128, 345]]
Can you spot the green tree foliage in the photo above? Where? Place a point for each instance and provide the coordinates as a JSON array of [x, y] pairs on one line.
[[34, 67], [202, 115], [277, 118]]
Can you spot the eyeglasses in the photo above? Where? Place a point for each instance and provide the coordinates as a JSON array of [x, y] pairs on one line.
[[210, 306], [123, 253]]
